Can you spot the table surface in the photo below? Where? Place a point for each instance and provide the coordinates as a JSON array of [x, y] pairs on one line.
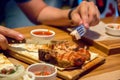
[[112, 62]]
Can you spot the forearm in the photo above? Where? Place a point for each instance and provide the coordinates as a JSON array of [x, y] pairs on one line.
[[37, 11], [54, 16]]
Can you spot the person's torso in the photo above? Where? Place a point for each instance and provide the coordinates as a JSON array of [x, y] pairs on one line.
[[2, 7], [3, 4]]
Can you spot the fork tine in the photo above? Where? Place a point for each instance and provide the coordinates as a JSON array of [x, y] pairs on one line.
[[79, 32]]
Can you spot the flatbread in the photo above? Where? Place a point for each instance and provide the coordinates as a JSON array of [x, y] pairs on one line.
[[28, 50], [4, 62]]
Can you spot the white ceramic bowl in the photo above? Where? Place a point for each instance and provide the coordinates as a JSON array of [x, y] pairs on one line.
[[113, 29], [42, 36], [43, 71]]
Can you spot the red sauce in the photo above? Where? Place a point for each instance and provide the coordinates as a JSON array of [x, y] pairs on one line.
[[42, 33], [44, 73]]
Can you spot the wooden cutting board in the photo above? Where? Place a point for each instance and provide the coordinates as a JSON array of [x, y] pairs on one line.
[[68, 75], [97, 37]]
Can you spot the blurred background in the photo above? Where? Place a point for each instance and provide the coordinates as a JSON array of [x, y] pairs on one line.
[[107, 8]]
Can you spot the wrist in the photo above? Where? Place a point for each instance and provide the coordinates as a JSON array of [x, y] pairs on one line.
[[70, 17], [70, 14]]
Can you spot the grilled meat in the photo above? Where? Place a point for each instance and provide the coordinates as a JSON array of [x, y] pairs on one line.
[[64, 55]]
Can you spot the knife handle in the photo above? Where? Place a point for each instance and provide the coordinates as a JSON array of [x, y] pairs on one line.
[[12, 41]]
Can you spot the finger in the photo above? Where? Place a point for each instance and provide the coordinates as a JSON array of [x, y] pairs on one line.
[[93, 14], [97, 19], [11, 33], [76, 20], [3, 42], [83, 10]]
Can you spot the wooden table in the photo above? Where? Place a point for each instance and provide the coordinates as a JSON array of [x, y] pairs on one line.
[[112, 61]]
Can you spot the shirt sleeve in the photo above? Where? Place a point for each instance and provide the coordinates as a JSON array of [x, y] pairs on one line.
[[21, 1]]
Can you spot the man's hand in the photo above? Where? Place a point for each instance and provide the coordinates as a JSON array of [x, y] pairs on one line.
[[5, 32], [86, 13]]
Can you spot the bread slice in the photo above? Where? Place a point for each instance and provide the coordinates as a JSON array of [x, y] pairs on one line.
[[4, 62]]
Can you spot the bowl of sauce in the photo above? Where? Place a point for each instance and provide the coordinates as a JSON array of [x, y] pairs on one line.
[[113, 29], [42, 36], [43, 71]]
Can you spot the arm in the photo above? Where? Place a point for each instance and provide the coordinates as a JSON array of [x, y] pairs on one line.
[[86, 13]]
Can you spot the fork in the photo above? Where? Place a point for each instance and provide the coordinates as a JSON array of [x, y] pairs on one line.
[[78, 32]]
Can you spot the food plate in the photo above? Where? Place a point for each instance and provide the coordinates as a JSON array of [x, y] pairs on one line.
[[29, 54]]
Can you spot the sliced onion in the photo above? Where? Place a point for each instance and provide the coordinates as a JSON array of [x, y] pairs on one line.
[[20, 70]]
